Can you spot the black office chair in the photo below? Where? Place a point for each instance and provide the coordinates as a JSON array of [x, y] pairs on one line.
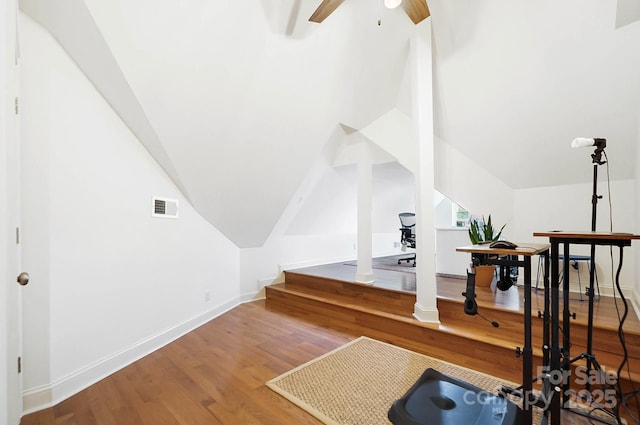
[[408, 235]]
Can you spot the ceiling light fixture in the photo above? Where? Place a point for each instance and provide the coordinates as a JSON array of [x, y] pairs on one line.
[[392, 4]]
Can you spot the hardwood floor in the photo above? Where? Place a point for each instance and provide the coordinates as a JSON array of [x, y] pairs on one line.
[[216, 374], [213, 375]]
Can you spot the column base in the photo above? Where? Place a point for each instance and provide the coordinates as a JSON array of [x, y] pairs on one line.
[[365, 278], [426, 315]]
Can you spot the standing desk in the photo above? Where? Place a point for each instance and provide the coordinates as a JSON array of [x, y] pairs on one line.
[[560, 354], [483, 254]]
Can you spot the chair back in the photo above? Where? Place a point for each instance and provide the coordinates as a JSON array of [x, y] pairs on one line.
[[408, 229], [407, 219]]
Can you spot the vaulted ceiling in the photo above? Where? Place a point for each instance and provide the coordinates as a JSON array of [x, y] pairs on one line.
[[236, 100]]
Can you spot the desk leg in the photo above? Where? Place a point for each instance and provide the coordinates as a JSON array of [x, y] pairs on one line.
[[566, 324], [527, 362], [592, 271], [554, 368], [546, 331]]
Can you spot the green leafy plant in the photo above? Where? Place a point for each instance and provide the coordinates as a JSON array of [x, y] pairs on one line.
[[483, 231]]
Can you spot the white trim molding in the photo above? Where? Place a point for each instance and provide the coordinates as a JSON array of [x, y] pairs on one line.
[[635, 302], [49, 395], [426, 315]]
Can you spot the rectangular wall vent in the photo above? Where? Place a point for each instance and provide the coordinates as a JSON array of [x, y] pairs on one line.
[[163, 207]]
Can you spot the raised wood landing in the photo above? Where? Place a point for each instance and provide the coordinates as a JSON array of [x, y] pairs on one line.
[[469, 341]]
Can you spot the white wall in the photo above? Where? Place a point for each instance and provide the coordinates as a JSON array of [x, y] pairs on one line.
[[109, 283], [471, 186], [448, 261], [569, 208], [320, 224], [448, 238], [544, 208]]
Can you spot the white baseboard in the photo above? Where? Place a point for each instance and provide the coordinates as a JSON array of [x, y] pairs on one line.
[[253, 296], [635, 302], [49, 395]]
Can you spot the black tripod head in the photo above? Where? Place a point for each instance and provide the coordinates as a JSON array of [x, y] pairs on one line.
[[596, 156]]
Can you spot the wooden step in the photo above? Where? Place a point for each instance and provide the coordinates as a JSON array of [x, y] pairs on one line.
[[379, 299], [462, 339], [439, 341], [607, 347]]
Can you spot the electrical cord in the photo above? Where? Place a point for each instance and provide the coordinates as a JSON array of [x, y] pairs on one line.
[[621, 318]]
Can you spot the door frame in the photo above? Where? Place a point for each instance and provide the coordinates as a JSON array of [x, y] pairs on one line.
[[10, 294]]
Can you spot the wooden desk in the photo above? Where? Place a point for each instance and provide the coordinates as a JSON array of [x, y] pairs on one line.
[[560, 359], [484, 254], [525, 249]]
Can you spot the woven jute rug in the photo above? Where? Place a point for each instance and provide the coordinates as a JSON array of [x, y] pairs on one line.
[[357, 383]]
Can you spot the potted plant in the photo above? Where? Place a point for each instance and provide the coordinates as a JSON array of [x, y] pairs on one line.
[[484, 232]]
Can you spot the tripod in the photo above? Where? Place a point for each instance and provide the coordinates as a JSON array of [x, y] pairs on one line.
[[591, 361]]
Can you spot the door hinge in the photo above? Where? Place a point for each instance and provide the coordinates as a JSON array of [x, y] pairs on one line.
[[16, 106], [19, 364]]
